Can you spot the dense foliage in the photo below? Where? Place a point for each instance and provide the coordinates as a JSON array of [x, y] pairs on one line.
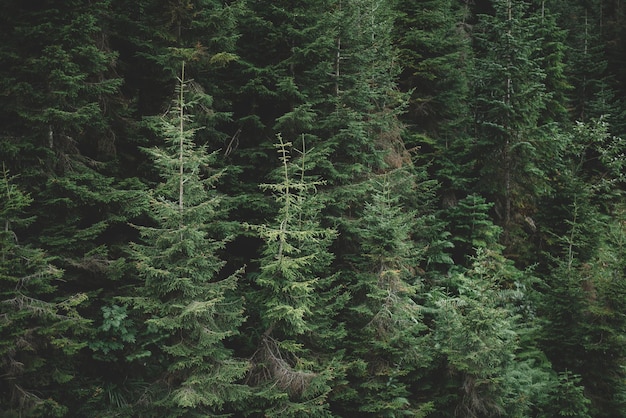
[[324, 208]]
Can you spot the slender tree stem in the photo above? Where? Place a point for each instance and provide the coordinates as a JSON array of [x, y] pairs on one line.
[[181, 133]]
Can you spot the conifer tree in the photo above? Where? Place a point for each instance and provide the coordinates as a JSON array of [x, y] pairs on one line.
[[40, 333], [471, 228], [294, 298], [387, 349], [361, 130], [187, 303], [285, 79], [509, 100], [483, 330], [584, 321], [433, 38], [551, 56], [59, 111], [593, 94]]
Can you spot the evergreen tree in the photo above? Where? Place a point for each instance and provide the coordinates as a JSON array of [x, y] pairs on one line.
[[295, 298], [187, 303], [471, 228], [388, 347], [40, 333], [59, 109], [484, 333], [509, 100], [361, 130], [282, 78], [551, 56], [584, 324], [433, 38], [593, 95]]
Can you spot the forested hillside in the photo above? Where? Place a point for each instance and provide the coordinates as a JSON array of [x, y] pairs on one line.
[[320, 208]]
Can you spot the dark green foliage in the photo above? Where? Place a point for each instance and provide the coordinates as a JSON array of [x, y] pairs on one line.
[[434, 48], [593, 94], [388, 345], [462, 257], [568, 400], [509, 99], [40, 332], [550, 55], [580, 310], [471, 227]]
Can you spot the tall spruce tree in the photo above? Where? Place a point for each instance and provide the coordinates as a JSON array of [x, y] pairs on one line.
[[187, 304], [433, 38], [509, 100]]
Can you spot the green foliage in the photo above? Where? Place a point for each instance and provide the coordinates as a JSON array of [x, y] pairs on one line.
[[510, 98], [188, 307], [292, 370], [471, 227], [116, 330], [295, 247], [40, 332], [388, 345], [434, 50], [569, 399], [592, 95], [481, 334], [361, 297], [579, 310]]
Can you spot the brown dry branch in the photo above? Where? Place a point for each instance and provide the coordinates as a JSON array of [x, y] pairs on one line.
[[269, 363], [475, 403]]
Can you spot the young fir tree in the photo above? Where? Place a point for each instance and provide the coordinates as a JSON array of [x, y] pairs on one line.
[[295, 299], [186, 302], [40, 333], [151, 37]]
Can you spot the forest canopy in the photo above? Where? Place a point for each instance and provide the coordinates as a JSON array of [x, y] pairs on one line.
[[322, 208]]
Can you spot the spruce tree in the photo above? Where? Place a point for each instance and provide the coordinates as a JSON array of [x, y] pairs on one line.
[[433, 39], [470, 227], [388, 347], [509, 100], [187, 304], [40, 332], [584, 320], [484, 332], [593, 94], [60, 107]]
